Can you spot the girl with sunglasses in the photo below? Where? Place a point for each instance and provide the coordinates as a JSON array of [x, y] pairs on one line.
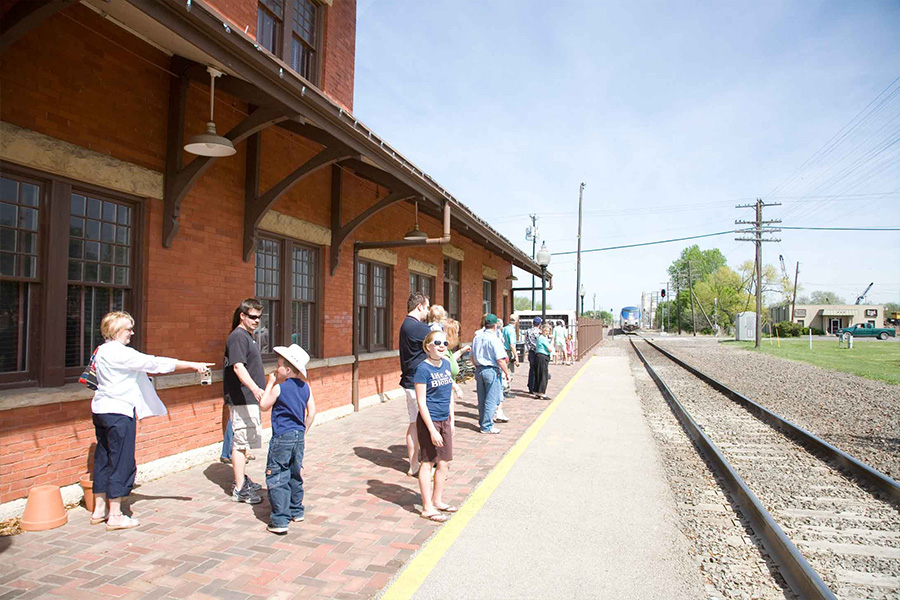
[[435, 425]]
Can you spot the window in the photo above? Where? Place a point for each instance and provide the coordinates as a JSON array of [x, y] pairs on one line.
[[373, 306], [299, 45], [421, 283], [67, 257], [99, 270], [290, 311], [269, 17], [303, 38], [452, 270], [487, 296], [20, 210]]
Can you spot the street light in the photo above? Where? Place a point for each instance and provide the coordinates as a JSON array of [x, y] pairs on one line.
[[581, 293], [543, 259]]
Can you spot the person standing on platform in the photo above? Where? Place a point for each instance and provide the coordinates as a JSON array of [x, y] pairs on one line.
[[543, 348], [413, 332], [435, 424], [244, 382], [531, 337], [559, 343], [510, 336], [490, 360], [293, 407]]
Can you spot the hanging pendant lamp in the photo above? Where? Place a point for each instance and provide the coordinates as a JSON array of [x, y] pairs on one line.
[[415, 234], [210, 143]]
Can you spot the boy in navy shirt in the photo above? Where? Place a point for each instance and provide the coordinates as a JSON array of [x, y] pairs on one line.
[[293, 411]]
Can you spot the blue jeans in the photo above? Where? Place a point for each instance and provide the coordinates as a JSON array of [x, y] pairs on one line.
[[283, 479], [114, 466], [489, 386], [228, 440]]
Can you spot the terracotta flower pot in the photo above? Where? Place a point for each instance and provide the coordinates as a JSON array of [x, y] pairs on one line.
[[44, 509], [87, 486]]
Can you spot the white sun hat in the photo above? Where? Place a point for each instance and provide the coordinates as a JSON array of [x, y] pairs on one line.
[[295, 355]]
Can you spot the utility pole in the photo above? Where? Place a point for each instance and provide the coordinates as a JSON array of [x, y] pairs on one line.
[[578, 261], [691, 282], [531, 233], [759, 228], [668, 308], [677, 301], [594, 310], [794, 295]]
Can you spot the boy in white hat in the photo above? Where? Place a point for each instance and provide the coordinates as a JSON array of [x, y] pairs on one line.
[[293, 411]]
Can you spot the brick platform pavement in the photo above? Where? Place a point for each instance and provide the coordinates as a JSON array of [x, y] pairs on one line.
[[362, 520]]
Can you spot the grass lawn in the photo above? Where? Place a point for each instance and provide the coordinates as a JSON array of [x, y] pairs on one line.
[[872, 359]]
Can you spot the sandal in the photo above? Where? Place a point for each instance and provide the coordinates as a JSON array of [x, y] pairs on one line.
[[447, 509], [436, 517], [98, 520], [128, 523]]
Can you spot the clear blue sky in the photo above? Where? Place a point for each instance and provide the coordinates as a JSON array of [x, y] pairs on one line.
[[671, 113]]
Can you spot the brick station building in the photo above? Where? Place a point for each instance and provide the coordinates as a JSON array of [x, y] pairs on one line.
[[101, 208]]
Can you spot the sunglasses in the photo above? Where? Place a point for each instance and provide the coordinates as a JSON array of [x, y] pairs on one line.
[[440, 343], [253, 317]]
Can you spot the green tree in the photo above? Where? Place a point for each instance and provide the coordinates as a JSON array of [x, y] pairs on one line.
[[703, 263], [890, 307], [722, 296], [606, 317], [521, 303]]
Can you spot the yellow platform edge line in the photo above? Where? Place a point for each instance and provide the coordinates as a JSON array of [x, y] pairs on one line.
[[418, 569]]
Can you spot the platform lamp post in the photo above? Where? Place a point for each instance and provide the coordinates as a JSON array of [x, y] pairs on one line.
[[581, 293], [543, 259]]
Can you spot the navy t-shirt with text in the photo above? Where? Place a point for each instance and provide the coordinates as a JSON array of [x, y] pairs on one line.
[[438, 386], [412, 333]]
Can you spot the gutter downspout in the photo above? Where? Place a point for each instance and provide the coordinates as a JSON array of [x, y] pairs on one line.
[[357, 246]]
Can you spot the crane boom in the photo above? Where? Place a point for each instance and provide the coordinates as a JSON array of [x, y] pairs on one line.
[[861, 298]]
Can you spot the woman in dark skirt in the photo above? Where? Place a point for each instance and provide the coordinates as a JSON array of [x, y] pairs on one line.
[[542, 363]]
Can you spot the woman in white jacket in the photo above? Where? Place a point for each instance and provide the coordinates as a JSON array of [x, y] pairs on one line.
[[124, 392]]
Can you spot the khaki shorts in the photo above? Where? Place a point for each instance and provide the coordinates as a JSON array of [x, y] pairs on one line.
[[412, 405], [245, 422]]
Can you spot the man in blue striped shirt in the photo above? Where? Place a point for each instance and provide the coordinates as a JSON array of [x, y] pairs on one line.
[[490, 360]]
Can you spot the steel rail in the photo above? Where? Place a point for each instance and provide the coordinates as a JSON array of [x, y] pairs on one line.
[[881, 482], [797, 572]]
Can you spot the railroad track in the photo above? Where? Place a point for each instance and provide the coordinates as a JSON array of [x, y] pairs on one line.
[[829, 522]]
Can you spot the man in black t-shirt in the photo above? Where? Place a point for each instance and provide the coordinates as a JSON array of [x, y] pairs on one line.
[[244, 381], [413, 332]]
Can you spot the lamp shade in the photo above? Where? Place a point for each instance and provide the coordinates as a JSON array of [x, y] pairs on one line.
[[543, 256], [415, 234], [210, 143]]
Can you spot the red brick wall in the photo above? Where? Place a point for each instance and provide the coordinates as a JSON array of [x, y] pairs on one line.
[[114, 100], [339, 47]]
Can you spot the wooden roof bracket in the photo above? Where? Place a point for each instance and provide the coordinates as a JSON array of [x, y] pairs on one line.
[[257, 206], [23, 16], [180, 180], [340, 232]]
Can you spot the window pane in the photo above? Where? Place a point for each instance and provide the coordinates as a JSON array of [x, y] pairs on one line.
[[362, 288], [19, 223], [14, 298], [268, 273], [85, 308], [9, 190], [304, 273], [268, 326], [302, 324]]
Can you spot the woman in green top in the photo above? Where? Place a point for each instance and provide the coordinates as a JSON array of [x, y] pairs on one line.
[[542, 363]]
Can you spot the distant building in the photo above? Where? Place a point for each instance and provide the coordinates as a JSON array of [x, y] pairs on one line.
[[829, 317]]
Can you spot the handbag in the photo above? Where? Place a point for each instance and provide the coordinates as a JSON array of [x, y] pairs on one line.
[[89, 376]]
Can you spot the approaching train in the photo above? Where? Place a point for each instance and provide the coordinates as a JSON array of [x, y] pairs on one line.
[[630, 319]]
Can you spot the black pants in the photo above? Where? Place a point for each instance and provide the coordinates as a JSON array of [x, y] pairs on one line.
[[114, 466], [541, 372], [531, 371]]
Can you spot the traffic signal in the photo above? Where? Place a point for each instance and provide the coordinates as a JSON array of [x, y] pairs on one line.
[[662, 293]]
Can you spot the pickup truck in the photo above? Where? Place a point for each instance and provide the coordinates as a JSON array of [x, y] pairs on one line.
[[866, 330]]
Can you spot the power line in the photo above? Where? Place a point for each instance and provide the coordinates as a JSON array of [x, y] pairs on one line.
[[842, 228], [693, 237]]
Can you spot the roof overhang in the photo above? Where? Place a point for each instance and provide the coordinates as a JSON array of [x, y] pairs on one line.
[[195, 30]]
